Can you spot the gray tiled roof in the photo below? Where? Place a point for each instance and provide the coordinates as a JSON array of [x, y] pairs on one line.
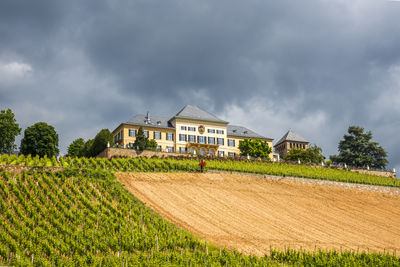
[[155, 121], [291, 136], [194, 112], [240, 131]]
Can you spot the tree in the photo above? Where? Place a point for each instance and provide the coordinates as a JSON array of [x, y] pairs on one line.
[[142, 142], [100, 142], [309, 155], [255, 148], [357, 150], [152, 144], [86, 151], [40, 139], [9, 129], [75, 149]]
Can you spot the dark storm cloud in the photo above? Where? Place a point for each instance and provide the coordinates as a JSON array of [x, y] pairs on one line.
[[317, 66]]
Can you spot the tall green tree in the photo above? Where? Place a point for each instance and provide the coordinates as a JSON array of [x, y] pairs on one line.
[[40, 139], [9, 129], [313, 154], [255, 148], [86, 151], [100, 142], [75, 149], [142, 142], [357, 150]]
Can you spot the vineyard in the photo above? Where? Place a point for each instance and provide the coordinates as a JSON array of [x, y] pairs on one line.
[[80, 215], [189, 165]]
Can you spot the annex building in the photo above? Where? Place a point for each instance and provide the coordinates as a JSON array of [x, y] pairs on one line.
[[191, 130], [289, 141]]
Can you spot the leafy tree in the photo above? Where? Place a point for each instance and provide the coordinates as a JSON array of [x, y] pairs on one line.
[[142, 142], [9, 129], [86, 151], [100, 142], [75, 149], [357, 150], [309, 155], [151, 144], [255, 148], [40, 139]]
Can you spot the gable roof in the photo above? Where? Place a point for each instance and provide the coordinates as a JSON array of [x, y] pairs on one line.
[[196, 113], [240, 131], [291, 136], [154, 121]]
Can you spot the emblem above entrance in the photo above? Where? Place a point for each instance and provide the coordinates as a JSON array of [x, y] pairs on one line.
[[202, 129]]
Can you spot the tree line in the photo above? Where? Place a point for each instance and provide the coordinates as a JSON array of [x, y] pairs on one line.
[[355, 150]]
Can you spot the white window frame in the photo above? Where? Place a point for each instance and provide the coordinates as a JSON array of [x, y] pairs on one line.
[[220, 143], [170, 136], [154, 135], [183, 137]]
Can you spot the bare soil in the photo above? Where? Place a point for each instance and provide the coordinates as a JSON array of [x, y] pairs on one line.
[[253, 214]]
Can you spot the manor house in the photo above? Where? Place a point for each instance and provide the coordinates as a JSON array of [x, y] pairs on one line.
[[191, 130]]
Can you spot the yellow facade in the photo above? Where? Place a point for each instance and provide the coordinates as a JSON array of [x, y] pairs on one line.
[[189, 135]]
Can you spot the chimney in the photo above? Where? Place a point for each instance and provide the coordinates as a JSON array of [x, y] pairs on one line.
[[148, 121]]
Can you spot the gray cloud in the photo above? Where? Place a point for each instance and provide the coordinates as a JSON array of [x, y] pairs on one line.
[[313, 66]]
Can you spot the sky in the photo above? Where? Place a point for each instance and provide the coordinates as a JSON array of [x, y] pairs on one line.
[[313, 66]]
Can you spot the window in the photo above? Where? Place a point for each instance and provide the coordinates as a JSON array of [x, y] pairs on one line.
[[132, 132], [192, 138], [118, 137], [220, 131], [211, 152], [231, 142], [182, 137], [158, 148], [157, 135], [201, 151], [211, 130], [221, 153], [169, 149], [201, 139], [211, 140], [193, 129], [220, 141], [183, 128], [170, 136], [231, 154], [182, 150], [146, 133]]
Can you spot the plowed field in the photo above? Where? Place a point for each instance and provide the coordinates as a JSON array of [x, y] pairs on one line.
[[251, 214]]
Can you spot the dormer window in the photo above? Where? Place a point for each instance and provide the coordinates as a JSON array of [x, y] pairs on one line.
[[158, 123]]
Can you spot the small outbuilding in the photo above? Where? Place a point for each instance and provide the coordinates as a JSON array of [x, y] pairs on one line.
[[288, 141]]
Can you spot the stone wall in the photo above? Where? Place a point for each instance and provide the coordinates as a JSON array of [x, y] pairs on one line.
[[376, 172], [111, 152]]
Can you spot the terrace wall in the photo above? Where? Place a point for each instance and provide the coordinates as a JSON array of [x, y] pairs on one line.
[[111, 152]]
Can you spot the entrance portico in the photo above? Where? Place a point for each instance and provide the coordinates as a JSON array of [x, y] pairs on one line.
[[202, 149]]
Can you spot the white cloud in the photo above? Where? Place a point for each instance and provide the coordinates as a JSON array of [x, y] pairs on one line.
[[14, 71]]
